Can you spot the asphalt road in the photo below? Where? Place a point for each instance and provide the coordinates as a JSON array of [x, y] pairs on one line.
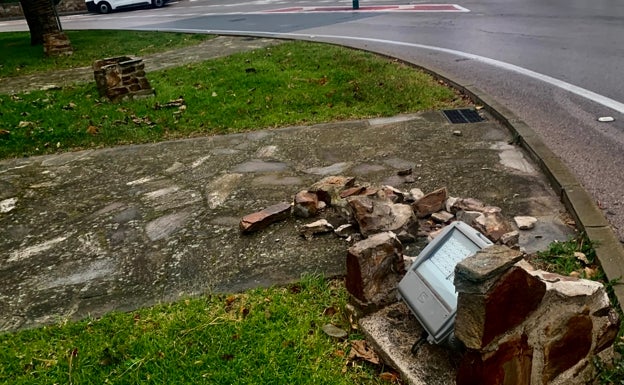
[[556, 65]]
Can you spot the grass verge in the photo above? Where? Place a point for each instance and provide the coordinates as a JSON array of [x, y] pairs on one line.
[[291, 84], [264, 336], [20, 58]]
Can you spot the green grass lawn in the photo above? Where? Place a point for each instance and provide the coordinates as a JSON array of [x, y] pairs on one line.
[[20, 58], [291, 84], [264, 336]]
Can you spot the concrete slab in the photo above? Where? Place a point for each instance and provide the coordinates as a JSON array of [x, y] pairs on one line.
[[392, 331]]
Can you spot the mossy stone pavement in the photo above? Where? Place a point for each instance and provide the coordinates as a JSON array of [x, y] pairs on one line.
[[88, 232]]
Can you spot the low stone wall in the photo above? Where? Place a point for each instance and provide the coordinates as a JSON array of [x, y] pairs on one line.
[[14, 10]]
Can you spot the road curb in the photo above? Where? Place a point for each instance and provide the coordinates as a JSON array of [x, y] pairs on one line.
[[575, 198]]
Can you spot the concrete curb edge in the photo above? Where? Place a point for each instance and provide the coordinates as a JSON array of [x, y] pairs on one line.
[[575, 198]]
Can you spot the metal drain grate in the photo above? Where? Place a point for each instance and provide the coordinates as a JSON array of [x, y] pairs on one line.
[[465, 115]]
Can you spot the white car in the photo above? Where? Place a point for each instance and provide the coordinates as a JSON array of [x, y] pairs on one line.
[[106, 6]]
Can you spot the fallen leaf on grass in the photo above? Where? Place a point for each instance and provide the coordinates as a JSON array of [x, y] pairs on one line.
[[93, 130], [359, 350], [334, 331], [5, 132], [390, 377], [229, 301], [144, 120], [591, 272], [329, 311], [25, 123], [171, 104]]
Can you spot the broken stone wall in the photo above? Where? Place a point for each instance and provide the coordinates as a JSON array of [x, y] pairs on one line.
[[525, 326], [122, 77]]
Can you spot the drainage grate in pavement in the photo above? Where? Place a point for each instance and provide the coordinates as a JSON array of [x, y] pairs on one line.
[[465, 115]]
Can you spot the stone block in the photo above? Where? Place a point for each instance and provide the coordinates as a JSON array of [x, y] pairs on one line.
[[431, 203], [318, 227], [352, 191], [120, 71], [466, 204], [442, 216], [306, 204], [477, 273], [329, 188], [493, 225], [261, 219], [391, 193], [375, 215], [511, 239], [467, 217], [374, 269], [525, 222], [56, 44]]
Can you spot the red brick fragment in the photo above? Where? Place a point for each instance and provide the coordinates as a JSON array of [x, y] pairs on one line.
[[261, 219]]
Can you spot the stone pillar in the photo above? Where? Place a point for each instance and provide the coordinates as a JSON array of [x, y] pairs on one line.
[[56, 44], [524, 326], [374, 268], [120, 78]]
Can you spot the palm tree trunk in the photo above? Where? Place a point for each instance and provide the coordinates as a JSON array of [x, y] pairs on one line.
[[41, 19]]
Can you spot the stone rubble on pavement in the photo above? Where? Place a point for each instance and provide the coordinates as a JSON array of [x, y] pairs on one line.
[[518, 325]]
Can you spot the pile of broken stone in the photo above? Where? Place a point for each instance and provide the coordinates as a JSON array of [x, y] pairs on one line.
[[360, 210], [518, 325]]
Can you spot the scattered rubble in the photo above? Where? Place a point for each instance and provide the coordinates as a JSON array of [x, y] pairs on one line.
[[374, 215], [261, 219], [493, 224], [525, 223], [306, 204], [431, 203], [518, 325], [328, 189], [319, 227], [358, 210]]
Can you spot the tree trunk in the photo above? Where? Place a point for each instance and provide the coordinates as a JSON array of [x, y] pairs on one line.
[[41, 19]]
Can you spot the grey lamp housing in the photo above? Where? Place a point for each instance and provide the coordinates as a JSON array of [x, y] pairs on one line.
[[427, 287]]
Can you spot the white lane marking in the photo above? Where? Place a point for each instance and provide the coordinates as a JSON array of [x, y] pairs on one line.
[[411, 8], [582, 92]]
